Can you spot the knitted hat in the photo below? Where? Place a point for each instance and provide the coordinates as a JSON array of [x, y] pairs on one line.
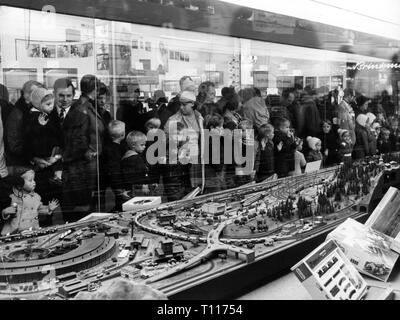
[[362, 119], [341, 132], [312, 141], [187, 96], [38, 95], [371, 117]]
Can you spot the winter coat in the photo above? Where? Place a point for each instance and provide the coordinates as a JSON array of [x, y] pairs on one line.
[[29, 206], [14, 134], [330, 142], [311, 118], [284, 159], [41, 139], [362, 145]]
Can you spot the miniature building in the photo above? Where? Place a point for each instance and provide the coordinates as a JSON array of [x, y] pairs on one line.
[[166, 219], [137, 240], [168, 250], [213, 208]]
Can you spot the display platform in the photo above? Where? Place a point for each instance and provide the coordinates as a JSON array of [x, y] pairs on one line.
[[195, 248]]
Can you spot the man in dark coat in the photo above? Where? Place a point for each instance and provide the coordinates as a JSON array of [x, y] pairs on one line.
[[83, 132]]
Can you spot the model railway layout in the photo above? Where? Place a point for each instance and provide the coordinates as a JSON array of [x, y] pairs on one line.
[[184, 247]]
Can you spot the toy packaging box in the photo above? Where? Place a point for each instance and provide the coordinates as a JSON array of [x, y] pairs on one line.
[[367, 249], [327, 274], [386, 217]]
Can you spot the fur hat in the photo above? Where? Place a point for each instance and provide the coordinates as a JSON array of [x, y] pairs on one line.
[[38, 95], [341, 132], [362, 119], [312, 141]]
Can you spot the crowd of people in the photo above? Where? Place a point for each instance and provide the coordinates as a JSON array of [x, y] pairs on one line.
[[57, 151]]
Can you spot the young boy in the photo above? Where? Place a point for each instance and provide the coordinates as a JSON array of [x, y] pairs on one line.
[[384, 143], [266, 152], [43, 143], [135, 169], [26, 205], [315, 149], [346, 146], [284, 148], [113, 151]]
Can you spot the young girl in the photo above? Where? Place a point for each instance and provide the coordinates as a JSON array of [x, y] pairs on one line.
[[26, 205], [299, 160], [315, 149], [346, 147]]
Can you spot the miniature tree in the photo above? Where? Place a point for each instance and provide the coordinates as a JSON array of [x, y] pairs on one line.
[[252, 229]]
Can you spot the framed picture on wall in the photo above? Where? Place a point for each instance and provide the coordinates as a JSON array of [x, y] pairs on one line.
[[50, 75], [47, 51], [103, 62]]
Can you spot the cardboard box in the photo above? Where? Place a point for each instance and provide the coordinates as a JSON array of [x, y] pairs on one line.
[[367, 249], [327, 274], [386, 217]]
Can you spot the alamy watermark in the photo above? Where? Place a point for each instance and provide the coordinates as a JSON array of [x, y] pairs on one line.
[[210, 147]]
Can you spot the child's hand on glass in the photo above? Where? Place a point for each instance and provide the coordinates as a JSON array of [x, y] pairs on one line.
[[43, 119], [280, 146], [53, 204]]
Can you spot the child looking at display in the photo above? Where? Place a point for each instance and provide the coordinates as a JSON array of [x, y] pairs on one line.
[[345, 147], [26, 205], [329, 142], [135, 169], [315, 149], [113, 152], [299, 160], [266, 154], [284, 148], [384, 142]]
